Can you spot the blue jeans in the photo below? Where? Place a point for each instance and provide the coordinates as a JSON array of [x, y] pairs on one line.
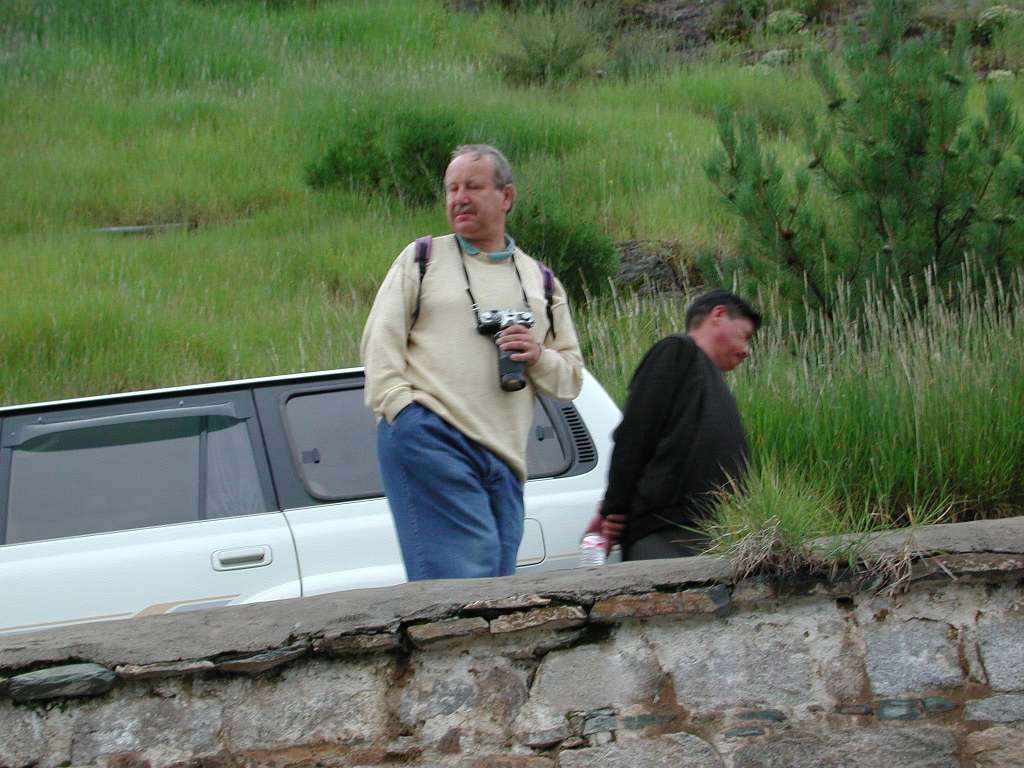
[[458, 508]]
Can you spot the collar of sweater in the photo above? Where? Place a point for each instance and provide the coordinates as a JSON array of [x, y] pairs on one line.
[[472, 250]]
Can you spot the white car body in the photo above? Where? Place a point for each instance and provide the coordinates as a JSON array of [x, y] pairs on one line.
[[301, 541]]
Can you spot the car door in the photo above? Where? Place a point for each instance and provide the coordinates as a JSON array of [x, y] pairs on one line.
[[137, 507]]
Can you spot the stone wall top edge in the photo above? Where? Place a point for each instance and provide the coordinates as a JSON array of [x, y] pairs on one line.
[[248, 630]]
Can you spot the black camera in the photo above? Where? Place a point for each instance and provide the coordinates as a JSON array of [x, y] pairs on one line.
[[511, 373]]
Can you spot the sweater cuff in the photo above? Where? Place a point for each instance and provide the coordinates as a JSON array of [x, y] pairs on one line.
[[546, 364]]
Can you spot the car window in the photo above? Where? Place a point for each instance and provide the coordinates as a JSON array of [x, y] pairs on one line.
[[334, 444], [131, 474], [545, 454], [333, 440]]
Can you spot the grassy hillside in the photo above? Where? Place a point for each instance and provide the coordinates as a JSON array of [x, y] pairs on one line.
[[210, 114]]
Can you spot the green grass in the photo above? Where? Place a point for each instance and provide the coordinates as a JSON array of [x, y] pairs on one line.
[[209, 113], [897, 418]]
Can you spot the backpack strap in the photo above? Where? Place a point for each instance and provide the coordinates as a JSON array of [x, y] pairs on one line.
[[423, 247], [549, 288]]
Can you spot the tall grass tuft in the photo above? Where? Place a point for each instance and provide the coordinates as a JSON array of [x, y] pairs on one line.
[[902, 409]]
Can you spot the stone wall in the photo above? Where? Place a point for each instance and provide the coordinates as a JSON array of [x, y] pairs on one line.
[[669, 663]]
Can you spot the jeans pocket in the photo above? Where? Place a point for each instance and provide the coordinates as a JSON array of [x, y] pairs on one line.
[[402, 413]]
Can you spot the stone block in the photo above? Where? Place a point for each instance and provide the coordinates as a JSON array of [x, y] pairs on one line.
[[163, 669], [480, 696], [153, 729], [590, 677], [501, 761], [261, 662], [911, 656], [310, 702], [853, 748], [31, 739], [898, 709], [552, 617], [543, 737], [742, 732], [936, 705], [357, 644], [753, 592], [862, 710], [770, 715], [620, 607], [1001, 708], [639, 722], [1003, 653], [446, 630], [793, 657], [504, 605], [599, 723], [998, 747], [61, 682], [673, 751]]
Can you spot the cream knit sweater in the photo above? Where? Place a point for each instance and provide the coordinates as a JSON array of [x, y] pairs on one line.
[[443, 363]]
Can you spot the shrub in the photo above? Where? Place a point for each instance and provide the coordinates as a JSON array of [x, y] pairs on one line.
[[735, 19], [400, 145], [557, 46], [1007, 48], [991, 20], [563, 235], [404, 155], [785, 22]]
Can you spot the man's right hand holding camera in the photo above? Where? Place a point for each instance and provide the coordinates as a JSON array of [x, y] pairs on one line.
[[518, 340]]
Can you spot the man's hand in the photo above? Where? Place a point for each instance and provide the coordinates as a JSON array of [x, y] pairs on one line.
[[611, 527], [517, 339]]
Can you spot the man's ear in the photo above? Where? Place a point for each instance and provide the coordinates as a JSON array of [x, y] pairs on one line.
[[718, 313], [508, 197]]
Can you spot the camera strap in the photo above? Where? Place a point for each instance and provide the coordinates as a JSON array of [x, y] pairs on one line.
[[424, 246], [469, 285]]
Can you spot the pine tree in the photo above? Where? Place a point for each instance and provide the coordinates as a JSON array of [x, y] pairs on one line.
[[900, 179]]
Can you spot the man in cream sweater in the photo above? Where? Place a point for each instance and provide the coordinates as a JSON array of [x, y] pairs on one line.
[[450, 441]]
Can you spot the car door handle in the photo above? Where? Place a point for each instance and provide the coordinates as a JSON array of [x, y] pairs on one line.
[[242, 557]]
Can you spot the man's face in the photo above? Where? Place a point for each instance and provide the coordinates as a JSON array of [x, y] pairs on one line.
[[476, 208], [730, 338]]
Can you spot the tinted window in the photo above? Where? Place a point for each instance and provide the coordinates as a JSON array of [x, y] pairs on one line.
[[545, 454], [334, 443], [130, 475]]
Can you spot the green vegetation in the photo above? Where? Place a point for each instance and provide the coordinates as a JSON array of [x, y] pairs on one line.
[[300, 142], [893, 417], [912, 181]]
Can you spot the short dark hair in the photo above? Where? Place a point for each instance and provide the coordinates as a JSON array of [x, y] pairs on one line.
[[701, 307]]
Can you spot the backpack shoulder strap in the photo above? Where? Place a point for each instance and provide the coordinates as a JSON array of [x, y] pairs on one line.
[[549, 288], [422, 256]]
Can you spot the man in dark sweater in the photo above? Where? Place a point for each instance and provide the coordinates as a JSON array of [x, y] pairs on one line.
[[681, 438]]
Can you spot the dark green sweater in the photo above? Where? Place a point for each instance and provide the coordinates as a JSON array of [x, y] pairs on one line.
[[680, 440]]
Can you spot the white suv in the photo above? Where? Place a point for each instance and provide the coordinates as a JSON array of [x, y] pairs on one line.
[[183, 499]]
